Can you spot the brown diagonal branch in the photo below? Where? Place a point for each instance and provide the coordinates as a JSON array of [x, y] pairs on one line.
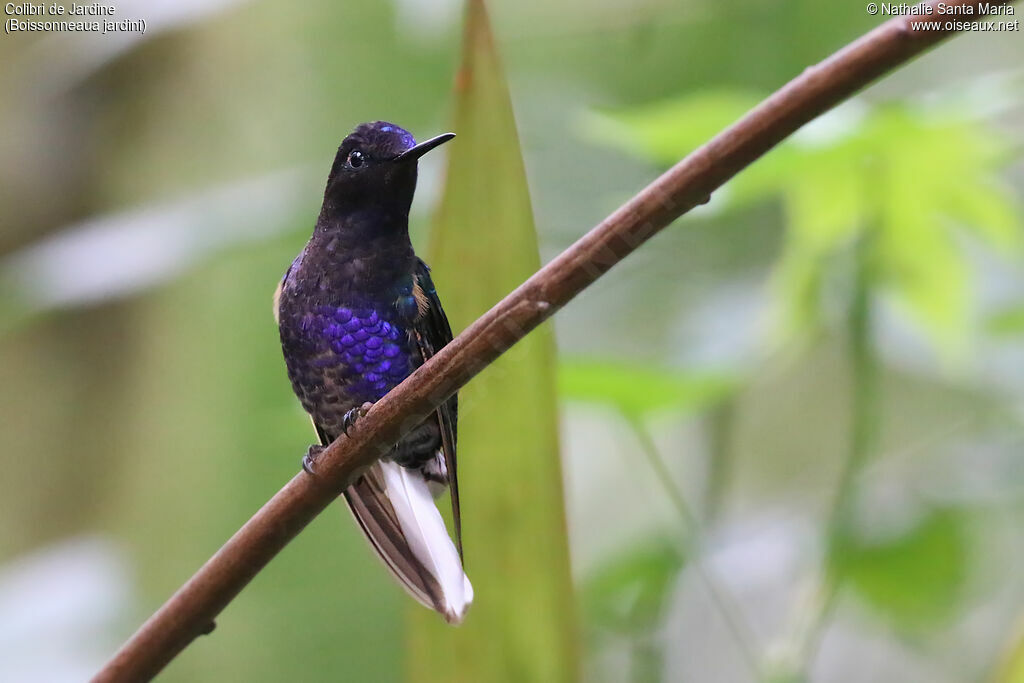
[[190, 612]]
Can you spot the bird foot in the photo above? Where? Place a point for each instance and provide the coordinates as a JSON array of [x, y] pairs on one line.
[[309, 459], [350, 418]]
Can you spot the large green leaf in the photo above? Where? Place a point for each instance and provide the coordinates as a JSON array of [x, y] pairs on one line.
[[522, 626], [913, 579]]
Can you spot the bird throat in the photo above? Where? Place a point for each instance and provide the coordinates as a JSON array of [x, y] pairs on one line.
[[358, 255]]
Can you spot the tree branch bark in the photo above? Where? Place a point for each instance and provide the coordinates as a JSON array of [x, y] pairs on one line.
[[191, 610]]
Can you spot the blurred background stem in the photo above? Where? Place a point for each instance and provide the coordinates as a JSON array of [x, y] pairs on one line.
[[647, 661], [864, 424], [720, 456], [864, 399], [724, 601]]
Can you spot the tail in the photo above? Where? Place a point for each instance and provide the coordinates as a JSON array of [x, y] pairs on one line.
[[396, 511]]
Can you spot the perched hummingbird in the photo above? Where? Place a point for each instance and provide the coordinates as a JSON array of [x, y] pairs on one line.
[[357, 313]]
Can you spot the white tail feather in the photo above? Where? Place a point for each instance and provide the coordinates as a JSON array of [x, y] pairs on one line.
[[424, 529]]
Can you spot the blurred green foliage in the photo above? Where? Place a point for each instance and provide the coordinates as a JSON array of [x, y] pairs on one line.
[[1008, 322], [911, 178], [1012, 669], [877, 200], [629, 592], [629, 596], [636, 390], [917, 577]]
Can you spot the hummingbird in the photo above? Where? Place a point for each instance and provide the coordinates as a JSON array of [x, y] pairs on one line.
[[357, 312]]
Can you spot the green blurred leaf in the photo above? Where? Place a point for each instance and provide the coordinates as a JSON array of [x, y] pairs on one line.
[[636, 390], [669, 130], [827, 207], [798, 282], [914, 579], [522, 626], [629, 593], [990, 211], [1007, 322]]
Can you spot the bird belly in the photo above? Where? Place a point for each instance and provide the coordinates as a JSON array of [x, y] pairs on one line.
[[339, 357]]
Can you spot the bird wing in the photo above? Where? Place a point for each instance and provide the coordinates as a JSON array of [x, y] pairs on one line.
[[432, 333]]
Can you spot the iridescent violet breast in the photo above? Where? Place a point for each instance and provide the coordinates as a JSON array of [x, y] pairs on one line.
[[366, 348]]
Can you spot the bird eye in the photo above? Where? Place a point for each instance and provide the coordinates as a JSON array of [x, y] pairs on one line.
[[355, 159]]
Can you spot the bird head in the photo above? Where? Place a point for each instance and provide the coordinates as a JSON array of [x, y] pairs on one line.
[[376, 167]]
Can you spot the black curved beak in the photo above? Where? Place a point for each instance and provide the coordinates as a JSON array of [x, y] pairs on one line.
[[424, 147]]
